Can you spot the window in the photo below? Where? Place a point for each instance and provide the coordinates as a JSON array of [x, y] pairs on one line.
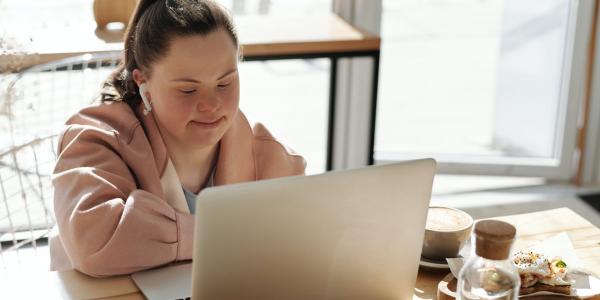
[[485, 87]]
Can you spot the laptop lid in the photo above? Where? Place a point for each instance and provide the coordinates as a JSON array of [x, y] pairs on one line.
[[353, 234]]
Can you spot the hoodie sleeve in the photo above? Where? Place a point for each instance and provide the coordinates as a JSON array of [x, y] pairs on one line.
[[107, 225], [274, 159]]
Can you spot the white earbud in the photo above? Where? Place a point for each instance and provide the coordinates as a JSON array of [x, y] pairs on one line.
[[147, 106]]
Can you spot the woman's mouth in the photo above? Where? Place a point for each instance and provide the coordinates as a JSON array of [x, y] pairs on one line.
[[208, 124]]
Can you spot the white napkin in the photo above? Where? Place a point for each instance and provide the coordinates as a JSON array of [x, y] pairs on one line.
[[585, 284]]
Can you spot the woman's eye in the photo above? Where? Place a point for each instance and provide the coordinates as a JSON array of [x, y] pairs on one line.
[[187, 92], [223, 85]]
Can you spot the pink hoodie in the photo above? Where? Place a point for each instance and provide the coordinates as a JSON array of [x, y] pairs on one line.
[[118, 201]]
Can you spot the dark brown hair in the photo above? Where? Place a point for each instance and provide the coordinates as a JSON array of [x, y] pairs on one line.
[[152, 27]]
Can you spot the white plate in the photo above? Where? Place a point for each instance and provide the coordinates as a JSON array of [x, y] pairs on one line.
[[433, 264]]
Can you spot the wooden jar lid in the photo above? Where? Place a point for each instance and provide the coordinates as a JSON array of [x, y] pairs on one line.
[[494, 239]]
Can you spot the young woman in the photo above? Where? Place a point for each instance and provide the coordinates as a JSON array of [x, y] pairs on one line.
[[168, 126]]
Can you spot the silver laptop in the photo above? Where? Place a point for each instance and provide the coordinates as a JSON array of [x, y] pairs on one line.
[[341, 235]]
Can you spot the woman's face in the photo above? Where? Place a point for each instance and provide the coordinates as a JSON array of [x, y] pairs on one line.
[[194, 89]]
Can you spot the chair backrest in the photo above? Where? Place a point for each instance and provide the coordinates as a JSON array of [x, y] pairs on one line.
[[26, 196], [39, 99]]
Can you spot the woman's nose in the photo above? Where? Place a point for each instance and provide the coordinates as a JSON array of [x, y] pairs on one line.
[[209, 103]]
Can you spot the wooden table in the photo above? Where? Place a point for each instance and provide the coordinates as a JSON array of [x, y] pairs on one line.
[[531, 228], [261, 38], [269, 37]]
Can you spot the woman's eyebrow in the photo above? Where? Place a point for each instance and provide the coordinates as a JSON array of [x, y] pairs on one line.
[[192, 80], [186, 80], [228, 73]]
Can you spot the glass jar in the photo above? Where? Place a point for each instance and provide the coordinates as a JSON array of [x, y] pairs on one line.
[[489, 273]]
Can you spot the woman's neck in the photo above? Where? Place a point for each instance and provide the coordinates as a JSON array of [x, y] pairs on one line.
[[193, 165]]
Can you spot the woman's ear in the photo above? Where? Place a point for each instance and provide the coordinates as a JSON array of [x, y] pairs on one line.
[[138, 76]]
